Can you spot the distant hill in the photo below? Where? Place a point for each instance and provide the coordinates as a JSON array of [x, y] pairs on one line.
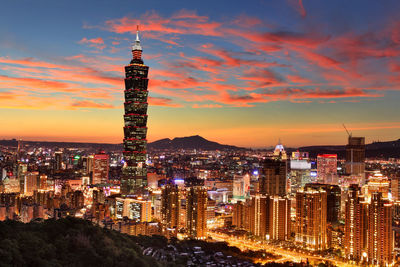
[[190, 142], [389, 149], [93, 146]]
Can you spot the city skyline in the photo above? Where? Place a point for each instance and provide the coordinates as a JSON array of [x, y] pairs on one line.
[[294, 70]]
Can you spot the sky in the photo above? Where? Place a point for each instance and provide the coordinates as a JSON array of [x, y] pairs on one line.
[[244, 73]]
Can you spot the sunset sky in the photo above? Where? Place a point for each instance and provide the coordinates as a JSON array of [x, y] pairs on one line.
[[243, 73]]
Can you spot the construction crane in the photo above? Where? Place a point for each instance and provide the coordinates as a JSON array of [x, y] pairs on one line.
[[344, 126]]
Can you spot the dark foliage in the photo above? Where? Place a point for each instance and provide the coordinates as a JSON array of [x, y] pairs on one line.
[[68, 242]]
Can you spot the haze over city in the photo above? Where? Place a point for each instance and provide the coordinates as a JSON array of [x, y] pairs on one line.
[[243, 73]]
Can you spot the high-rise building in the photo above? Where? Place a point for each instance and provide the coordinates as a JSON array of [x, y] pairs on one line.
[[31, 183], [196, 206], [355, 156], [300, 171], [273, 179], [279, 218], [59, 160], [42, 185], [311, 226], [136, 209], [395, 188], [355, 228], [327, 168], [380, 233], [88, 164], [101, 166], [241, 187], [259, 216], [170, 203], [377, 182], [238, 214], [134, 173], [22, 168], [333, 200]]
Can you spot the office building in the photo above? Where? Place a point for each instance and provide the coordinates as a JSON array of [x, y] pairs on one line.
[[300, 171], [355, 157], [327, 168], [101, 163], [136, 209]]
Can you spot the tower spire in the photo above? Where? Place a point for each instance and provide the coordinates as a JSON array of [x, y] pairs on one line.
[[137, 33], [136, 45], [137, 49]]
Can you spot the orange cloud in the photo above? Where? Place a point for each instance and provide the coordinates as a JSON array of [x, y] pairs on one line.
[[90, 104], [163, 101]]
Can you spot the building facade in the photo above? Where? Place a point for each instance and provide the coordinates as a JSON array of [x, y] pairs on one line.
[[196, 206], [327, 168]]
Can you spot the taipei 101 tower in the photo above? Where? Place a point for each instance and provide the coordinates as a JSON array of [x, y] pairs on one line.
[[134, 172]]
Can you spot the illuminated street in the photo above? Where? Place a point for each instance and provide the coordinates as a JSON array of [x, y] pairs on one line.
[[287, 255]]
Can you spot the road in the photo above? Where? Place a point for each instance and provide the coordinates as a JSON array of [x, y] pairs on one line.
[[286, 254]]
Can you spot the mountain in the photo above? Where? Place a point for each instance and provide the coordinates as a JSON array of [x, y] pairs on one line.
[[190, 142], [388, 149]]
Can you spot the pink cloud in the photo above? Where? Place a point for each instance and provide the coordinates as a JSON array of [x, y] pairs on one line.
[[94, 42]]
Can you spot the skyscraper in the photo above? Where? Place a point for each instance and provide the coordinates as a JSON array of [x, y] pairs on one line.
[[355, 156], [134, 176]]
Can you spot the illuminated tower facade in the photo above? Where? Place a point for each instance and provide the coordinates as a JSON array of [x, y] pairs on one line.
[[380, 232], [134, 176], [311, 226], [170, 203], [196, 206], [355, 224]]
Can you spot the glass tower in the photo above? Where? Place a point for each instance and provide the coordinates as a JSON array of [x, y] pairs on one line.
[[134, 172]]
